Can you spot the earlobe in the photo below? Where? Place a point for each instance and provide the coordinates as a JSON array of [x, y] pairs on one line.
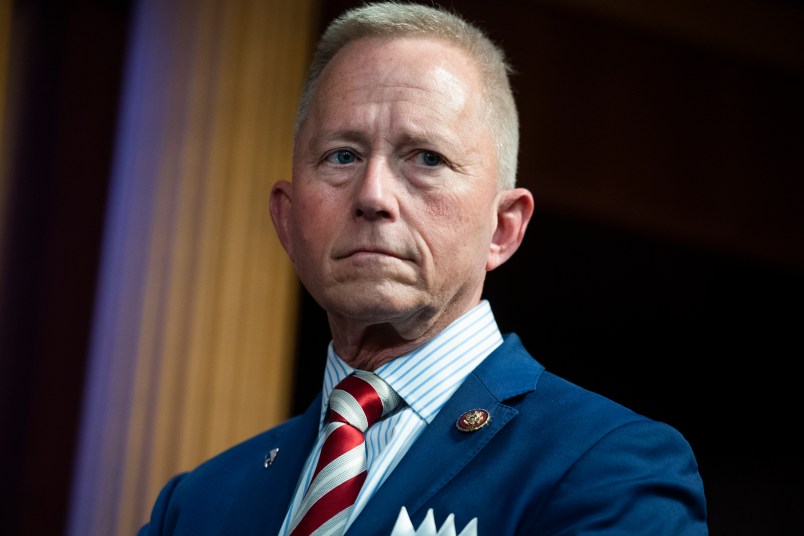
[[514, 210], [280, 205]]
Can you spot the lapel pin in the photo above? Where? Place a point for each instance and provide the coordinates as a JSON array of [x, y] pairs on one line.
[[473, 420], [270, 457]]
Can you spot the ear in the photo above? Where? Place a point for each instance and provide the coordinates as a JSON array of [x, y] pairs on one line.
[[281, 203], [514, 209]]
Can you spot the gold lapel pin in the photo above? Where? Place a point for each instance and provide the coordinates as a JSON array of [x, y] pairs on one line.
[[473, 420]]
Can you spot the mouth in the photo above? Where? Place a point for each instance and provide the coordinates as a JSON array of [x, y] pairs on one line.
[[375, 251], [367, 252]]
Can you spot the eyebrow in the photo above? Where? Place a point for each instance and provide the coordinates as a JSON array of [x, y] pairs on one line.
[[450, 148], [438, 142], [346, 135]]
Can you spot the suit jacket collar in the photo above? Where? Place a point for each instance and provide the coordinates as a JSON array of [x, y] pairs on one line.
[[270, 490], [442, 451]]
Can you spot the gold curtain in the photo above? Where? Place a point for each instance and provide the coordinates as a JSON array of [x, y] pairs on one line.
[[193, 338]]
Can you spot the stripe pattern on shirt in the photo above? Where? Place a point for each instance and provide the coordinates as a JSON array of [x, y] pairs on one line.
[[425, 379]]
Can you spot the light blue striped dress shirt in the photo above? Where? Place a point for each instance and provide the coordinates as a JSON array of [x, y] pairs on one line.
[[425, 378]]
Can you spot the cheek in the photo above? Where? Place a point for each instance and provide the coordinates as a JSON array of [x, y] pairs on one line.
[[469, 213], [312, 225], [457, 232], [446, 208]]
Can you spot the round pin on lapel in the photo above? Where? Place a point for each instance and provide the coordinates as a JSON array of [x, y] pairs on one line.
[[473, 420]]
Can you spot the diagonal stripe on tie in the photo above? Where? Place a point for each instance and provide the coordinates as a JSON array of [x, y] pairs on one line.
[[355, 404]]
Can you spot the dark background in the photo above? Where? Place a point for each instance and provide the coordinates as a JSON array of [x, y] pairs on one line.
[[663, 268]]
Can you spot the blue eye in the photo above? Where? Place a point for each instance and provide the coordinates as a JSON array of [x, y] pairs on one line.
[[430, 158], [344, 157]]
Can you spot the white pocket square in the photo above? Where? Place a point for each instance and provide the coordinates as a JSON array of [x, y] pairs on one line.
[[404, 526]]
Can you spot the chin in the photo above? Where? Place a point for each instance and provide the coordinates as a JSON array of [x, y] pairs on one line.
[[373, 306]]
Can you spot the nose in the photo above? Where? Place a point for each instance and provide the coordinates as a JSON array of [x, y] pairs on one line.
[[375, 198]]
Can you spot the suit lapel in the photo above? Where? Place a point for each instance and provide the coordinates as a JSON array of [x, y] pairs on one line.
[[267, 492], [442, 451]]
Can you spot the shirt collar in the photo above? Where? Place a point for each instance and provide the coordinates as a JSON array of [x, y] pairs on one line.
[[427, 376]]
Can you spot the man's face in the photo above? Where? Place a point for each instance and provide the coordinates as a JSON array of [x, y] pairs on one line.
[[394, 183]]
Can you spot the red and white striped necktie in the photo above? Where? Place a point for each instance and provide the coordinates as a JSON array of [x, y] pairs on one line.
[[357, 402]]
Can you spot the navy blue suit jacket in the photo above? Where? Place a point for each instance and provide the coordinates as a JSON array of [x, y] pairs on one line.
[[554, 459]]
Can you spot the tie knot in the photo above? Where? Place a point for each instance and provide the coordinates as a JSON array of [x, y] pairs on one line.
[[361, 399]]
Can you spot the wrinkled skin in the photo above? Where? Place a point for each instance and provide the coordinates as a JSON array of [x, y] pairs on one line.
[[394, 215]]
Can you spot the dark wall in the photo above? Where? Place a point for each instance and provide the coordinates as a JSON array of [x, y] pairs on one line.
[[664, 265], [65, 69]]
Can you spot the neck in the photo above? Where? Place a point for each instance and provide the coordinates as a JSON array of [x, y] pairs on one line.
[[367, 346], [378, 345]]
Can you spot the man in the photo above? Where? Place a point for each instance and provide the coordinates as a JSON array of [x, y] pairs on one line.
[[402, 199]]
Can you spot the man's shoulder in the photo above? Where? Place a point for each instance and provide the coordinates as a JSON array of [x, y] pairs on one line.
[[249, 454], [224, 488], [546, 397]]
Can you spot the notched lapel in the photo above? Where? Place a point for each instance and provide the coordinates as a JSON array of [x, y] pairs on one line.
[[442, 451], [438, 455], [266, 492]]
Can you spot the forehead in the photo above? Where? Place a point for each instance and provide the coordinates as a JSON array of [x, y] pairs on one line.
[[388, 65], [411, 52], [420, 82]]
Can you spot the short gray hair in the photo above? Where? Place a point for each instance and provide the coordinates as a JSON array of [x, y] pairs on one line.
[[394, 19]]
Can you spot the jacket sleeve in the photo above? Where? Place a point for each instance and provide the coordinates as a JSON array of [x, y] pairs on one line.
[[160, 523], [640, 478]]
